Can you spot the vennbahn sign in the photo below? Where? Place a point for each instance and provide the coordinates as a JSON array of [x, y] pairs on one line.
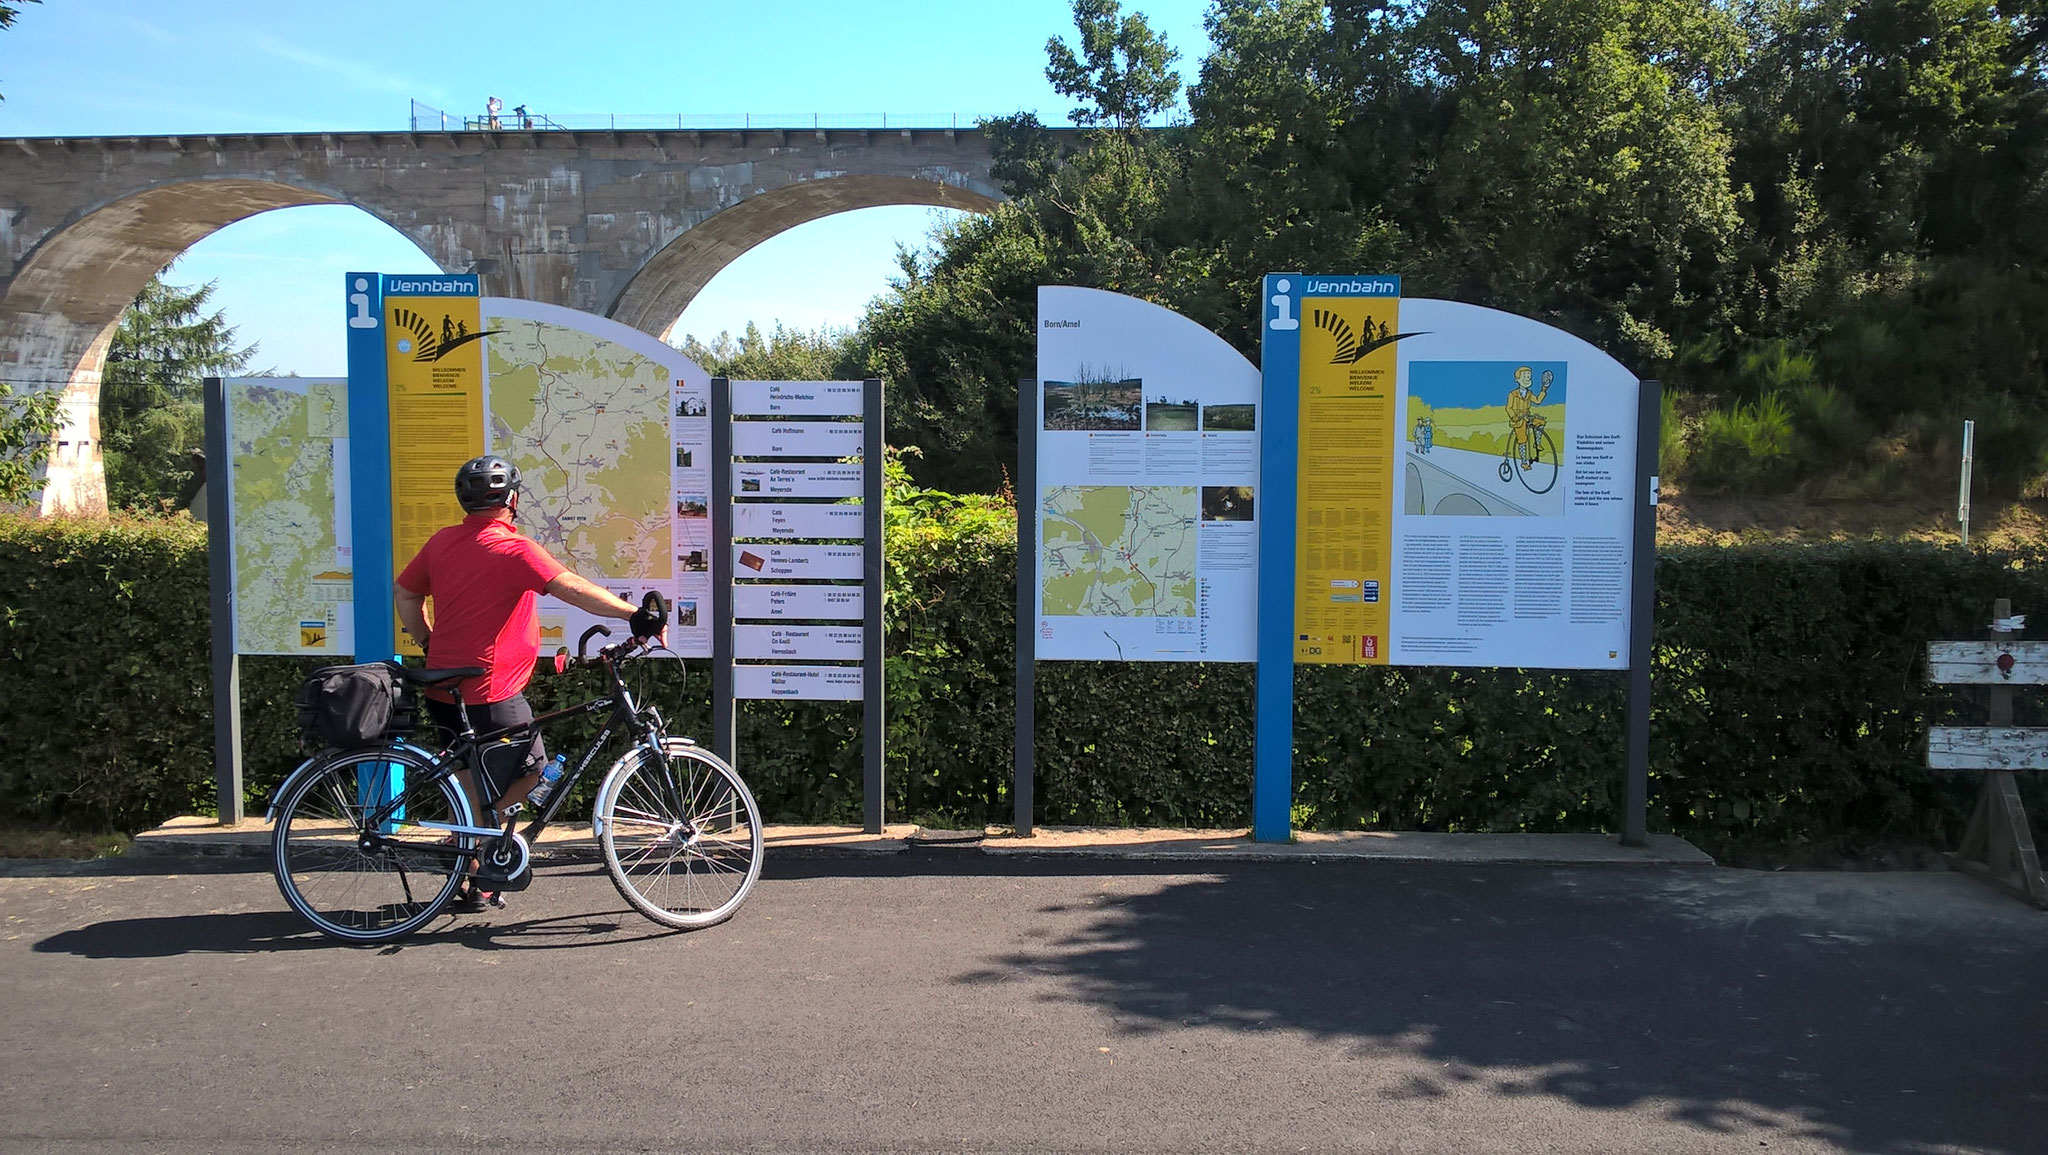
[[1352, 286], [449, 285]]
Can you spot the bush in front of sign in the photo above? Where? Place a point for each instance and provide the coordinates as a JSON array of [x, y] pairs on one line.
[[107, 673]]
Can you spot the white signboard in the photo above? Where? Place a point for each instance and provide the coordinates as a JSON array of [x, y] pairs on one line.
[[801, 480], [798, 398], [1148, 469], [611, 431], [799, 643], [796, 438], [787, 521], [810, 683], [292, 569], [1511, 536], [811, 562], [798, 603]]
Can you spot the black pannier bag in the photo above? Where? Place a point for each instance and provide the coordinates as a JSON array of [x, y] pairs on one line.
[[354, 706]]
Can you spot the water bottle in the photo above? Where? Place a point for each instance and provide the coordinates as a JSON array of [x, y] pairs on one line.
[[549, 775]]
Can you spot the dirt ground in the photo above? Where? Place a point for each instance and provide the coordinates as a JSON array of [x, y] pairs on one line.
[[1686, 519]]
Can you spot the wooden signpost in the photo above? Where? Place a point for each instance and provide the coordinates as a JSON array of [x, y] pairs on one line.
[[1997, 847]]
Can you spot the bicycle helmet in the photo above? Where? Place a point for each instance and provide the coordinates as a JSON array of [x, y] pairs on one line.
[[486, 482]]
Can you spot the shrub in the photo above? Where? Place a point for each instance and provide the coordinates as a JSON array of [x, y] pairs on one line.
[[1789, 707]]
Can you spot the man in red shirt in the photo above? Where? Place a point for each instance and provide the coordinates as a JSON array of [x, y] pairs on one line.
[[486, 579]]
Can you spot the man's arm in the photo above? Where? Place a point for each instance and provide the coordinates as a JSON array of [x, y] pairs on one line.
[[588, 596], [412, 614]]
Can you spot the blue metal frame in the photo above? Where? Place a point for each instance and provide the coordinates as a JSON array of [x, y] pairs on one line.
[[369, 466], [1279, 459]]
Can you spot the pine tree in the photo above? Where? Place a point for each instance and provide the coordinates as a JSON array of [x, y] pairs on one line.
[[150, 416]]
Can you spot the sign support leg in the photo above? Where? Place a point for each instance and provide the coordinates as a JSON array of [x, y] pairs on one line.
[[1642, 621], [227, 666], [723, 722], [874, 721], [1279, 485], [1025, 769]]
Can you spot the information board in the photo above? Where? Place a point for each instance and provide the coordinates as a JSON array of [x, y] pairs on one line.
[[801, 554], [290, 561], [1147, 472], [1463, 481], [610, 430], [433, 331]]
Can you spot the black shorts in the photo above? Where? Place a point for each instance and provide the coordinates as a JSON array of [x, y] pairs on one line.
[[502, 769]]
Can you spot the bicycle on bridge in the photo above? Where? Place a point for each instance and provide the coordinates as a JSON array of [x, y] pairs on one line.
[[370, 844]]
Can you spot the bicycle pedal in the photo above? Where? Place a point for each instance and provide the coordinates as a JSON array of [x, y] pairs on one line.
[[496, 899]]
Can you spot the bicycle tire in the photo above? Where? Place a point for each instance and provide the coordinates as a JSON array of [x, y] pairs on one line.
[[335, 878], [1543, 442], [685, 857]]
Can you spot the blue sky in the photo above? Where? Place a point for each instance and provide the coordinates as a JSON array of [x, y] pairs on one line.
[[1478, 384], [129, 67]]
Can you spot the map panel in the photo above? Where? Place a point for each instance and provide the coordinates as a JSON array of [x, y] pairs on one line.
[[587, 422], [288, 515], [1119, 550]]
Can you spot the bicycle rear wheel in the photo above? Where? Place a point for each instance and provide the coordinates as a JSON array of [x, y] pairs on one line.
[[360, 881], [682, 842]]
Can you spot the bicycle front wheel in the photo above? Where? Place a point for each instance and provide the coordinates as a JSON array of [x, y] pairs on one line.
[[1541, 472], [682, 841], [362, 880]]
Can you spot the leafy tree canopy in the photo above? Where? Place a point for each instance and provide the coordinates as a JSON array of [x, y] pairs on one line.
[[27, 424]]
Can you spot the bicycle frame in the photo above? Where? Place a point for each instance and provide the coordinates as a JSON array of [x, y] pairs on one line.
[[645, 726]]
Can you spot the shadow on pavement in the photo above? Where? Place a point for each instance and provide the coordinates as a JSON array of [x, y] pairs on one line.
[[1884, 1013], [282, 930]]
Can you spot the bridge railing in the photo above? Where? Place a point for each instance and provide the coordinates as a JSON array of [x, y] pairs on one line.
[[426, 118]]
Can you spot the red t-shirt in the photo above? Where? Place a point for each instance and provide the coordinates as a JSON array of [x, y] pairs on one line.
[[485, 578]]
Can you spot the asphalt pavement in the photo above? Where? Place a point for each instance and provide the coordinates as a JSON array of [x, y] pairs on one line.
[[941, 1001]]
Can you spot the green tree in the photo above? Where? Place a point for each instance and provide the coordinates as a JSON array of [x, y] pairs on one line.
[[26, 426], [826, 354], [150, 413], [1123, 73], [955, 333], [8, 12]]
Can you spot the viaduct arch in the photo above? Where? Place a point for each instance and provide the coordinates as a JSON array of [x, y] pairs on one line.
[[626, 224]]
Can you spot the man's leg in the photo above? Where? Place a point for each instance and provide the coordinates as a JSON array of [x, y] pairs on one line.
[[514, 711]]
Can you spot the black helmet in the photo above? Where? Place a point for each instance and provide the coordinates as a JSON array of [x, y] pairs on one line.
[[485, 482]]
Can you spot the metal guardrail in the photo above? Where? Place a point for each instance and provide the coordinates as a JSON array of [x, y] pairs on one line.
[[429, 119]]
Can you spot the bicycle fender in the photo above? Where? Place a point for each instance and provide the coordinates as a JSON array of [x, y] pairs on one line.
[[638, 751]]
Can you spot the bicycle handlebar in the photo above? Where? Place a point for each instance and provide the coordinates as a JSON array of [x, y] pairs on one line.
[[605, 654]]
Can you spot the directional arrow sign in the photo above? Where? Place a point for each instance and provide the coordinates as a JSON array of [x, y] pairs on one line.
[[811, 683], [819, 643], [797, 398], [798, 603], [752, 519], [761, 560], [839, 479], [796, 438]]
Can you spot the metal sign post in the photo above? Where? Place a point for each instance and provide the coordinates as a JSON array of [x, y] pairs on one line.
[[1025, 770], [723, 720], [227, 667], [1963, 500], [1642, 621], [788, 624]]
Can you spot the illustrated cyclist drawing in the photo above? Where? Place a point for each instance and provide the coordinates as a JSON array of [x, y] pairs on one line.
[[375, 836], [1483, 438]]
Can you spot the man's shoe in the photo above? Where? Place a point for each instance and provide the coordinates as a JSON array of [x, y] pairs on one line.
[[470, 900]]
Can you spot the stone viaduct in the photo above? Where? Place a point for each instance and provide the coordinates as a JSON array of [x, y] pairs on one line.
[[628, 224]]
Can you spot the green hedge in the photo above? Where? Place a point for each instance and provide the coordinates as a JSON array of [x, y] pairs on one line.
[[1789, 702]]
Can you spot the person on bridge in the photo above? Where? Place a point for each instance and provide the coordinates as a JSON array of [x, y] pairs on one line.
[[486, 578]]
